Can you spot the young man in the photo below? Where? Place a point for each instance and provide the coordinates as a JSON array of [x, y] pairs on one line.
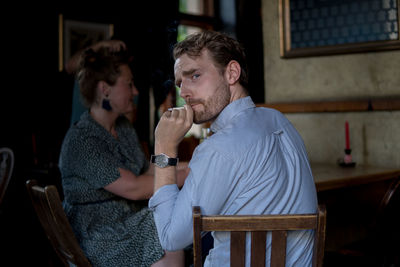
[[254, 163]]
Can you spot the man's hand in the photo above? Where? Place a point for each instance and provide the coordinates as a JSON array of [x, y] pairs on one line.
[[171, 129]]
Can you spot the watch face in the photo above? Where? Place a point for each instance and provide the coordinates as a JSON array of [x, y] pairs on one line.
[[161, 161]]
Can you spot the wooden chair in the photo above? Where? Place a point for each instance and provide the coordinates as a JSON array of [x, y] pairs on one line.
[[258, 225], [6, 169], [48, 206]]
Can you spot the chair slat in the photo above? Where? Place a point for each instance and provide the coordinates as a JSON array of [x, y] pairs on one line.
[[258, 247], [319, 238], [197, 260], [238, 249], [278, 248]]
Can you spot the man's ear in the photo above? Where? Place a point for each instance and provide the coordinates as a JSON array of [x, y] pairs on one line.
[[232, 72]]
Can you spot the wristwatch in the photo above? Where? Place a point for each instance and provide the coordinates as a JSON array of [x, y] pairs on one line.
[[163, 160]]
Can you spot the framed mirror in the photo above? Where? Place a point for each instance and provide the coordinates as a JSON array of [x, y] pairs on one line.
[[326, 27], [75, 35]]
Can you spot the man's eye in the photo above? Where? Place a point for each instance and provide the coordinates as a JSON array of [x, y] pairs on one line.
[[195, 76]]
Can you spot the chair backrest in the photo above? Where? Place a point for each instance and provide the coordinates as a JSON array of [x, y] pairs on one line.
[[258, 226], [394, 188], [385, 233], [6, 169], [48, 206]]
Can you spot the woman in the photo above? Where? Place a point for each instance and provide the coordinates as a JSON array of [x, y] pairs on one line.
[[105, 173]]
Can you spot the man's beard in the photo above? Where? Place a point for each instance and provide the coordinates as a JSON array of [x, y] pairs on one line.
[[213, 105]]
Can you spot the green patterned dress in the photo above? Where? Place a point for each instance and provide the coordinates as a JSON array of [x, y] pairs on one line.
[[111, 230]]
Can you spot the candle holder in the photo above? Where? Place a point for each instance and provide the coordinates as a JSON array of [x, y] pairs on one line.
[[347, 160]]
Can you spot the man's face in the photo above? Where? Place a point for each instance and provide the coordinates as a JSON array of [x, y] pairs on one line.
[[202, 85]]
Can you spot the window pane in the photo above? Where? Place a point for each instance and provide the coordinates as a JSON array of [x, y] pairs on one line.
[[185, 30], [194, 7]]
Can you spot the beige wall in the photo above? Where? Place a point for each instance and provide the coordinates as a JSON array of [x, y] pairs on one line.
[[375, 136]]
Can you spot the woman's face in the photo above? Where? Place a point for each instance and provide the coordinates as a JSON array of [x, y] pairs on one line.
[[122, 93]]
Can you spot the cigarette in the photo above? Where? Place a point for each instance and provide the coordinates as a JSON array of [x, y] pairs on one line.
[[170, 109]]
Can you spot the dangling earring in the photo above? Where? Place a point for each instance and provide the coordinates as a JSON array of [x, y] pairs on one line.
[[106, 104]]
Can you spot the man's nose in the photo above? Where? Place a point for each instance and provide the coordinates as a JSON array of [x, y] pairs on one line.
[[185, 91]]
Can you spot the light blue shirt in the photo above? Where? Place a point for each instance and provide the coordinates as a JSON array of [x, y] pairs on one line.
[[254, 163]]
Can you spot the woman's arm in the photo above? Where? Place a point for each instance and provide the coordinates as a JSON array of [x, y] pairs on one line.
[[131, 186], [141, 187], [182, 171]]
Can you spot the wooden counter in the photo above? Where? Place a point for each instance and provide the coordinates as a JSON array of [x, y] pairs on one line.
[[353, 197], [331, 176]]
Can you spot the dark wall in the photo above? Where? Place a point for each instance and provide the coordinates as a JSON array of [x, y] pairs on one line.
[[36, 97], [39, 96], [249, 33], [36, 101]]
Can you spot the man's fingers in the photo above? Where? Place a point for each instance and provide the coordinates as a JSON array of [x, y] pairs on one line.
[[189, 113], [176, 112], [184, 114], [177, 108]]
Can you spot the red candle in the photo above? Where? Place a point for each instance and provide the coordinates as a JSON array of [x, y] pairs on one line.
[[347, 135]]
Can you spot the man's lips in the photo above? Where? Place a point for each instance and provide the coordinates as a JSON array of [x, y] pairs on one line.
[[194, 103]]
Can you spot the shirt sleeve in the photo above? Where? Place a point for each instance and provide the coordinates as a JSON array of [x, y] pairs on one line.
[[206, 186]]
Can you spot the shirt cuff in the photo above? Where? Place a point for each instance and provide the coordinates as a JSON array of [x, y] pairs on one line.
[[163, 195]]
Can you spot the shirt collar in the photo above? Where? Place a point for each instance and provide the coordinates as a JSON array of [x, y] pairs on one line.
[[231, 111]]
